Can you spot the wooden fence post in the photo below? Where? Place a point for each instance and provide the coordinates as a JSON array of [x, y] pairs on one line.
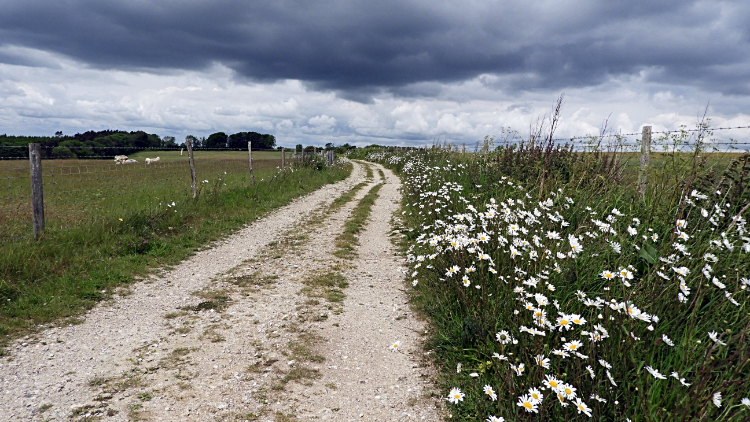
[[37, 197], [463, 148], [645, 155], [189, 144], [283, 158], [250, 161]]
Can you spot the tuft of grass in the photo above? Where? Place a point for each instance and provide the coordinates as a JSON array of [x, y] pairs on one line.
[[45, 407], [300, 374], [327, 285]]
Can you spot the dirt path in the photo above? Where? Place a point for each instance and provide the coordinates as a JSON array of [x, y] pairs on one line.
[[267, 325]]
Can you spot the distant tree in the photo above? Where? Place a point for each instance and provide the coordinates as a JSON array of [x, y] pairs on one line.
[[217, 140], [58, 134], [168, 142], [258, 141], [329, 146], [196, 143], [62, 152], [298, 148], [78, 148]]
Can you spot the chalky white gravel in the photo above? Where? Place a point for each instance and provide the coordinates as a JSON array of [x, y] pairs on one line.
[[126, 361]]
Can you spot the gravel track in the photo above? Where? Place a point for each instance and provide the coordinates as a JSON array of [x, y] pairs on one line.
[[239, 332]]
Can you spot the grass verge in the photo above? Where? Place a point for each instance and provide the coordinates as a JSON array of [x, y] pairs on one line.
[[557, 283]]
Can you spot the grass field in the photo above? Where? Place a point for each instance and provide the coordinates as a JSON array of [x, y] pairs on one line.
[[73, 267], [76, 191], [555, 292]]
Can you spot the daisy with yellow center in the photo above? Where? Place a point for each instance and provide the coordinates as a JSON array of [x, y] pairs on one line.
[[608, 275], [551, 383], [572, 345], [455, 396], [490, 392], [528, 403], [563, 321], [567, 390], [536, 394], [582, 407]]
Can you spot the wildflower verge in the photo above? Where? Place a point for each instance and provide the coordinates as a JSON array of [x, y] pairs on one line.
[[570, 299]]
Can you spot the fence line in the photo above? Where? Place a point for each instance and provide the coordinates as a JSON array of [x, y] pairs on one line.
[[72, 193]]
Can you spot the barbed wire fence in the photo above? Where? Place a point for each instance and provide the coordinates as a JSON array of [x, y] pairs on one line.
[[617, 141], [70, 192], [637, 152]]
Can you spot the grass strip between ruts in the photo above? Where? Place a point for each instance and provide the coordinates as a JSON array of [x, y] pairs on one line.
[[347, 240]]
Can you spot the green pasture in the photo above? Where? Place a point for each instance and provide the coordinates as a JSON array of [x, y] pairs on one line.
[[78, 191], [74, 265]]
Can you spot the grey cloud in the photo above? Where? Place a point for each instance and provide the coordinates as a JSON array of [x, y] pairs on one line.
[[361, 48]]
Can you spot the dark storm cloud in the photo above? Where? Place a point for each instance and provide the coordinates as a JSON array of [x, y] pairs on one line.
[[362, 47]]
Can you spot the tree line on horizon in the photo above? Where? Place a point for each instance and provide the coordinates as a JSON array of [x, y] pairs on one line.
[[91, 144]]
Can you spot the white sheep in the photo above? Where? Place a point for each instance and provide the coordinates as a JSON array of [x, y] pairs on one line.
[[119, 159], [152, 160], [130, 161]]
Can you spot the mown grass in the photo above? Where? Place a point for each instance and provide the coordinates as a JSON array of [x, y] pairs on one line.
[[70, 270], [452, 203]]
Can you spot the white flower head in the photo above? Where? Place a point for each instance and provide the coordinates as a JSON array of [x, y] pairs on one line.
[[490, 392], [655, 373], [455, 396]]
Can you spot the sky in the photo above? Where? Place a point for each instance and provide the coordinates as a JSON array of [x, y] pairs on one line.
[[390, 72]]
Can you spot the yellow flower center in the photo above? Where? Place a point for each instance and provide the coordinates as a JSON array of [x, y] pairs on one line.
[[527, 405], [564, 322], [573, 347], [553, 384], [568, 391], [535, 396], [577, 321], [458, 396], [581, 407], [561, 398]]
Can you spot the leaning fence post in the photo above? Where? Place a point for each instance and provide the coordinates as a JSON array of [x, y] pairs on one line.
[[645, 155], [37, 198], [189, 144], [250, 161]]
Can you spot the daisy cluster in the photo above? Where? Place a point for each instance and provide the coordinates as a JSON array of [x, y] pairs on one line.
[[561, 339]]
